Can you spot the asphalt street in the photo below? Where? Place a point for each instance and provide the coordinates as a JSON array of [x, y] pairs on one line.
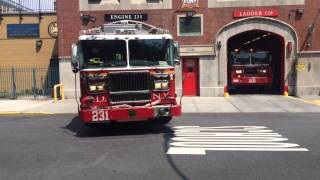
[[273, 146]]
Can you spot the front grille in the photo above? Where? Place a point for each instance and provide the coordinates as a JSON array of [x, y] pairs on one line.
[[129, 87], [250, 71], [130, 97]]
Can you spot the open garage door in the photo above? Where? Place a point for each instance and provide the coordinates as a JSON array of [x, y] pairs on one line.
[[255, 63]]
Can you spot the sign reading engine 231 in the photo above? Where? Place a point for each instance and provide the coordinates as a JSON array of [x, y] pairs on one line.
[[119, 17]]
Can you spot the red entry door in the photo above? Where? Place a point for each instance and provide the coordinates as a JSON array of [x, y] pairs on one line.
[[190, 71]]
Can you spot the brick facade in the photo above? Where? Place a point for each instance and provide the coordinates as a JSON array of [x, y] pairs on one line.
[[214, 18], [298, 29]]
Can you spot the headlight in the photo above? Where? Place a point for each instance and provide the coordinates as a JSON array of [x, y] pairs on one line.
[[161, 85], [96, 82], [92, 88], [100, 88], [239, 71], [263, 71], [96, 88]]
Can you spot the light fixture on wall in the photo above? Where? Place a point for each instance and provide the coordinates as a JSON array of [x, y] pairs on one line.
[[289, 48], [299, 11], [86, 18], [38, 44], [219, 45], [190, 13]]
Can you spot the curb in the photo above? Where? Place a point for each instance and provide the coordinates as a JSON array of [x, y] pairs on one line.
[[26, 113]]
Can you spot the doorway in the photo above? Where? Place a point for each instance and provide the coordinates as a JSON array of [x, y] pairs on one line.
[[190, 76]]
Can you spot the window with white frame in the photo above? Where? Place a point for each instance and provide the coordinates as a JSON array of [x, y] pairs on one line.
[[103, 5], [154, 1], [103, 1], [190, 25], [146, 1]]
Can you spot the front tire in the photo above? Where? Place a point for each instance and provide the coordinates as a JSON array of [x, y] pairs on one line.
[[91, 125], [163, 120]]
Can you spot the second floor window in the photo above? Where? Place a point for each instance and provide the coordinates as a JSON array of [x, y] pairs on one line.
[[154, 1], [190, 26]]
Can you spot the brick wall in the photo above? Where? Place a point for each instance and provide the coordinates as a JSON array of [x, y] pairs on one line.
[[214, 18], [69, 25]]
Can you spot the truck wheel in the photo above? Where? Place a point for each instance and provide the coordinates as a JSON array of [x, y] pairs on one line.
[[269, 88], [163, 120], [91, 125]]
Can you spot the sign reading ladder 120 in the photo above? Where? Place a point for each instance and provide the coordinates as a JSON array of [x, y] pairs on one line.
[[190, 3]]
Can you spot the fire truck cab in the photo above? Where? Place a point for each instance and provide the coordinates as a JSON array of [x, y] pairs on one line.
[[250, 68], [126, 73]]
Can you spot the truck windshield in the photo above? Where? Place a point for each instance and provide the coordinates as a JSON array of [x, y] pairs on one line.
[[151, 52], [259, 58], [102, 53], [243, 58]]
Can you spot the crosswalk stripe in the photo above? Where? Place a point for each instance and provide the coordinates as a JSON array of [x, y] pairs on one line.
[[196, 140]]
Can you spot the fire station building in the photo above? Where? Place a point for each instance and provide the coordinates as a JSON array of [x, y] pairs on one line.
[[207, 32]]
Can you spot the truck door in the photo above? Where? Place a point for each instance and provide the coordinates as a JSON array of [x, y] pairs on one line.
[[190, 71]]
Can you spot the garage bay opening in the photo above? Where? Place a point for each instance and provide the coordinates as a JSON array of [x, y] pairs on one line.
[[256, 63]]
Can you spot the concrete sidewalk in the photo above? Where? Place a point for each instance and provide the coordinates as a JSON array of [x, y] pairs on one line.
[[232, 104]]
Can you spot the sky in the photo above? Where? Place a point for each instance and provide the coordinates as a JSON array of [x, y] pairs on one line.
[[34, 4]]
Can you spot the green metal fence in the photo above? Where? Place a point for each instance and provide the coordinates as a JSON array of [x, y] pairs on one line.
[[27, 82]]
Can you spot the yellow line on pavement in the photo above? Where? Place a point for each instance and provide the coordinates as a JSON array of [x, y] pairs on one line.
[[26, 113], [314, 102]]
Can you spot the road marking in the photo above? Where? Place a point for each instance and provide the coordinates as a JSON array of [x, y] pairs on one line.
[[314, 102], [196, 140]]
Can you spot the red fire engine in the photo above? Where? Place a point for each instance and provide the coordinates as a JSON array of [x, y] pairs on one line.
[[250, 68], [126, 73]]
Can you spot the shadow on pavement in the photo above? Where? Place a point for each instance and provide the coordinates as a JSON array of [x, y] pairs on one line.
[[253, 90], [126, 129], [116, 129], [166, 146]]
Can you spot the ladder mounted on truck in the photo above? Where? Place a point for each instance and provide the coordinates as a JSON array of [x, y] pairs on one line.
[[124, 27]]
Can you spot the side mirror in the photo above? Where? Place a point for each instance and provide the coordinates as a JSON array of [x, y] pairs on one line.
[[177, 62], [176, 53], [74, 59], [270, 59]]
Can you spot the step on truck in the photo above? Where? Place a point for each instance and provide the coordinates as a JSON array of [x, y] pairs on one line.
[[127, 73]]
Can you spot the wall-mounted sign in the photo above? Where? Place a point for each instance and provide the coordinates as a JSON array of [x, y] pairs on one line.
[[118, 17], [300, 66], [23, 30], [53, 29], [255, 12], [197, 50], [190, 3]]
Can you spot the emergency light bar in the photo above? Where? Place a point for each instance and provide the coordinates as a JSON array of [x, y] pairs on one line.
[[124, 27]]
